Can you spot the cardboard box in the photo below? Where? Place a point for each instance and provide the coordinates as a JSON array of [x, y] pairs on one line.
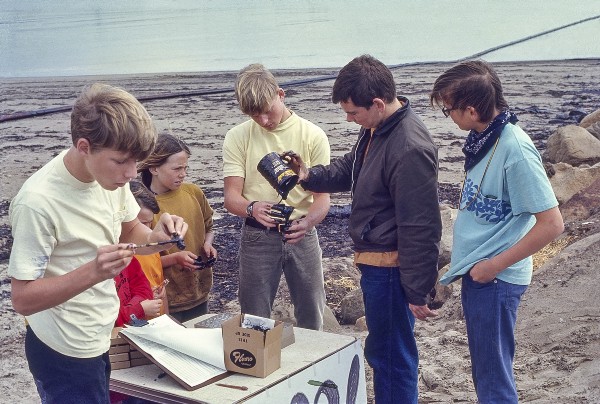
[[287, 335], [217, 320], [251, 352]]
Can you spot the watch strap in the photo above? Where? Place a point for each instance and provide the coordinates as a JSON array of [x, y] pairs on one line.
[[249, 208]]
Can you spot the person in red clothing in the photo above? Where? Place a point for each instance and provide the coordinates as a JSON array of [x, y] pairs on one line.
[[135, 294]]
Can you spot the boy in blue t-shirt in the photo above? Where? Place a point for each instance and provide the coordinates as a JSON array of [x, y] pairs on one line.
[[507, 212]]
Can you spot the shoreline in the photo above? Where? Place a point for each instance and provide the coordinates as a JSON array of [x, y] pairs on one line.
[[281, 70]]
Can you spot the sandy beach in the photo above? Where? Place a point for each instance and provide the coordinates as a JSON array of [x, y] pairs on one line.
[[555, 362]]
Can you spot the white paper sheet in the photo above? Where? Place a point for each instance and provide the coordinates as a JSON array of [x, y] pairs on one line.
[[193, 354]]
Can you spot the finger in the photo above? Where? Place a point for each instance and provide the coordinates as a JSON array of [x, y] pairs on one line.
[[183, 230]]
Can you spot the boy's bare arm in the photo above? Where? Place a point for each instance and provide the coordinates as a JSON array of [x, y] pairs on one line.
[[209, 250], [32, 296], [236, 204], [549, 224]]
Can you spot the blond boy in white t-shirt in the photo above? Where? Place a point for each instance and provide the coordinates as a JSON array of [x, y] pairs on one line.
[[73, 222]]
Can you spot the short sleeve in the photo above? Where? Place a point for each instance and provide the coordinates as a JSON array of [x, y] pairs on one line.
[[529, 188], [234, 155], [33, 242]]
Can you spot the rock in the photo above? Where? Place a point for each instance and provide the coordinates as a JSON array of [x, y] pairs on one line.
[[583, 204], [573, 145], [594, 129], [448, 218], [233, 306], [558, 317], [361, 324], [341, 267], [567, 180], [430, 379], [352, 307], [284, 311], [442, 294], [330, 323], [590, 119]]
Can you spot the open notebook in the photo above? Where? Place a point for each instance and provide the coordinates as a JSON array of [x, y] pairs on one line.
[[192, 356]]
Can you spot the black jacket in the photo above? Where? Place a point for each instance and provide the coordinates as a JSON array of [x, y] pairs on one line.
[[394, 197]]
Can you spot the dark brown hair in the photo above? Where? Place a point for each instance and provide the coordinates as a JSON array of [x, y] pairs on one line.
[[144, 197], [472, 83], [362, 80]]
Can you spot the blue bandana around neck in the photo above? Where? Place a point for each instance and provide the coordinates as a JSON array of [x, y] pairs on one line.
[[478, 144]]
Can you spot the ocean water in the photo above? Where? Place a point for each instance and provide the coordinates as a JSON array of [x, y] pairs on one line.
[[64, 38]]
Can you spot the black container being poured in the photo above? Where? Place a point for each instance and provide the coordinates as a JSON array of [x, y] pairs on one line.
[[278, 173]]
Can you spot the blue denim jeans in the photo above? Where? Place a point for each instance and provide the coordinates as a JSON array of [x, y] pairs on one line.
[[264, 257], [490, 314], [63, 379], [390, 348]]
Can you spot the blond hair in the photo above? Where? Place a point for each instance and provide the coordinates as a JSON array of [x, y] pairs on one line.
[[255, 89], [110, 117]]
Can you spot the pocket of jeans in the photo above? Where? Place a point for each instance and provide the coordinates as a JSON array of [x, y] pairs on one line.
[[512, 298], [251, 236], [478, 285]]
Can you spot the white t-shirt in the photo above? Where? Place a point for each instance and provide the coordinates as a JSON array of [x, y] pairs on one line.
[[58, 222]]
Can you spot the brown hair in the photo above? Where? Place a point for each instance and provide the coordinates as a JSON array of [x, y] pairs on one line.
[[255, 89], [166, 146], [109, 117], [362, 80], [472, 83], [144, 197]]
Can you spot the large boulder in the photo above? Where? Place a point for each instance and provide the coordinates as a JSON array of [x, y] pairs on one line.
[[573, 145], [583, 204], [558, 327], [590, 119], [594, 129], [352, 307], [284, 311], [568, 180]]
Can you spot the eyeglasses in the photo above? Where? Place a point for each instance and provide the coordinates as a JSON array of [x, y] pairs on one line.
[[446, 111]]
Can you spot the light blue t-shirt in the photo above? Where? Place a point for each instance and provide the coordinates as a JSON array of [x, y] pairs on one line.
[[514, 188]]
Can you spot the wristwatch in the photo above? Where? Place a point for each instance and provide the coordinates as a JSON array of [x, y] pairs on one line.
[[249, 208]]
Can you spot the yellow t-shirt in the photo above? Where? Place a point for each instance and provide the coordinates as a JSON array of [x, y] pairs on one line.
[[248, 142], [188, 289]]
